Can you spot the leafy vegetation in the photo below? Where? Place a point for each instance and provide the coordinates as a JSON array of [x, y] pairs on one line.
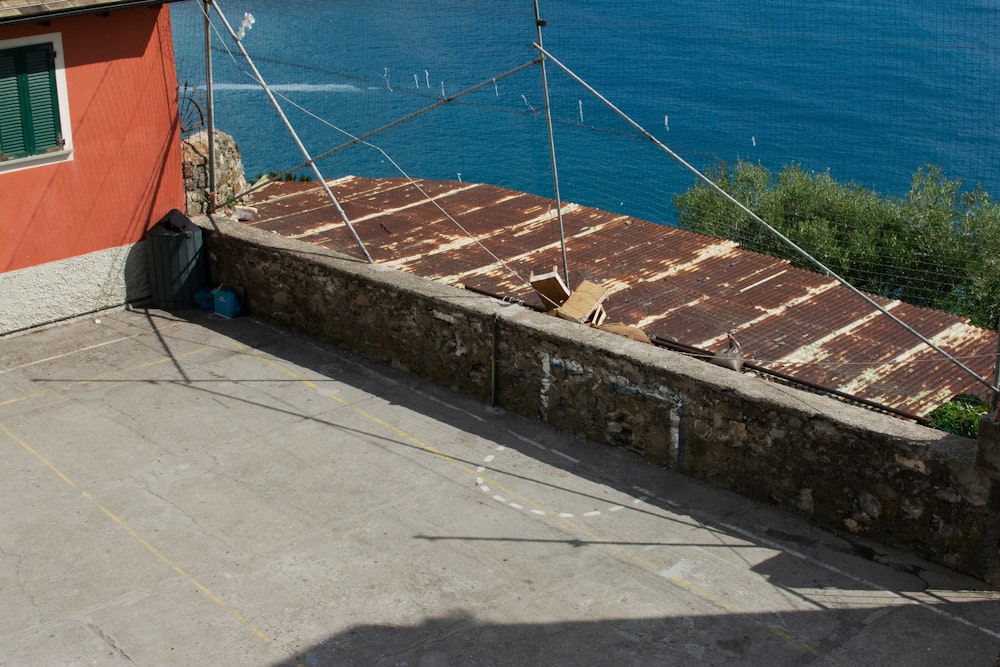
[[959, 415], [286, 177], [937, 246]]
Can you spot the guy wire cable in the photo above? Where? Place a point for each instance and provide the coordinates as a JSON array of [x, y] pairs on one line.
[[432, 200], [826, 270]]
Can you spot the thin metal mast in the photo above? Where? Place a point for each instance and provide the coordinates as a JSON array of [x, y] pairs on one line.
[[211, 110], [291, 130], [539, 24]]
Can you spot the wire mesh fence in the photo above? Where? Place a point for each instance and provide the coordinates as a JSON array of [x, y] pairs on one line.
[[862, 132]]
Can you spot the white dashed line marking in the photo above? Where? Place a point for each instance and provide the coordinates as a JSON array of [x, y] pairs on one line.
[[565, 456], [448, 405], [527, 440], [490, 458], [650, 494]]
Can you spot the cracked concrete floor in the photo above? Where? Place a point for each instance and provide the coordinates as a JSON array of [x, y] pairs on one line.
[[183, 489]]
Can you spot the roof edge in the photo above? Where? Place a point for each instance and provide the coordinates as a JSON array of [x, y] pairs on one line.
[[46, 10]]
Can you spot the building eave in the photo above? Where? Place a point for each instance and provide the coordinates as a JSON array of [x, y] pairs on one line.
[[33, 11]]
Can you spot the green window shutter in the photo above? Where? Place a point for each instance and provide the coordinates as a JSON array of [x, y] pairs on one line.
[[11, 129], [29, 105], [40, 84]]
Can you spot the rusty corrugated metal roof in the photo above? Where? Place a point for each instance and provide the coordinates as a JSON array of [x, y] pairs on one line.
[[677, 285]]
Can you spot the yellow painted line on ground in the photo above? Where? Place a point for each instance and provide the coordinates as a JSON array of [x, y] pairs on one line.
[[141, 540], [178, 569], [644, 564], [292, 375], [100, 378], [31, 450], [415, 440], [708, 597]]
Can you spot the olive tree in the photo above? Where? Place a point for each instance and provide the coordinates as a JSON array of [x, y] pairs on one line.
[[937, 246]]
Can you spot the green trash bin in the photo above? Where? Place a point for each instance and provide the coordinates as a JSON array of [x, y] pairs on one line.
[[176, 257]]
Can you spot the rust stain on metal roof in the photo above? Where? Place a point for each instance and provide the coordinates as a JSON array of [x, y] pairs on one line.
[[677, 285]]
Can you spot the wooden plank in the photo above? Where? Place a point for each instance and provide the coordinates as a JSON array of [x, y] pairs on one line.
[[583, 303]]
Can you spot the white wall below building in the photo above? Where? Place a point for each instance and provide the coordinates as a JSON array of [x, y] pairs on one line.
[[59, 290]]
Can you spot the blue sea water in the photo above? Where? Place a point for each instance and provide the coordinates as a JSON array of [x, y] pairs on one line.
[[869, 91]]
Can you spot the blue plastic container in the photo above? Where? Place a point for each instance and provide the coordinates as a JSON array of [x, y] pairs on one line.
[[226, 302]]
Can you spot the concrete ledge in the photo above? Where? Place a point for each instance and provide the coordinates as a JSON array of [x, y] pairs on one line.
[[68, 288], [844, 467]]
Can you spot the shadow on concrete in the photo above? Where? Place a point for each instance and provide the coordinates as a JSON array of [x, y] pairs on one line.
[[692, 501], [460, 638], [688, 500], [934, 624]]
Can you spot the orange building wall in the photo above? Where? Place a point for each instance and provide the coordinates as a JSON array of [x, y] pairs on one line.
[[126, 171]]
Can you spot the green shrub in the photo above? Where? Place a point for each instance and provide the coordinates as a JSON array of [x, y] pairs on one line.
[[960, 415]]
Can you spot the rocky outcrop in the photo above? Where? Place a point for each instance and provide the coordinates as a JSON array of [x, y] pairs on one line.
[[229, 176]]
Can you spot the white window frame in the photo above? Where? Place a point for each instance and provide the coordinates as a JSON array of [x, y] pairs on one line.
[[66, 154]]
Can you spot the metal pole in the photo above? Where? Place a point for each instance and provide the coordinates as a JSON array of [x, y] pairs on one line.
[[815, 262], [539, 24], [211, 110], [291, 130]]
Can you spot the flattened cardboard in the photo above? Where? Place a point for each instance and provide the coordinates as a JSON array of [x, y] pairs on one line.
[[583, 303]]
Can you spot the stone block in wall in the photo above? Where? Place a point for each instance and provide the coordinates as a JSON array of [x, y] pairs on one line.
[[988, 445], [591, 391], [988, 461]]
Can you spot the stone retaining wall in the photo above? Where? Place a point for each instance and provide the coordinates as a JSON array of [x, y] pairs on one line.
[[845, 468]]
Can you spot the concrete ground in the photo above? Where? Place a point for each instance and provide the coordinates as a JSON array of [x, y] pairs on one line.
[[180, 489]]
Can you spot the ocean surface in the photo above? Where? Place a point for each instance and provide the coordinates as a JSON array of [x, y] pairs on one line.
[[868, 91]]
